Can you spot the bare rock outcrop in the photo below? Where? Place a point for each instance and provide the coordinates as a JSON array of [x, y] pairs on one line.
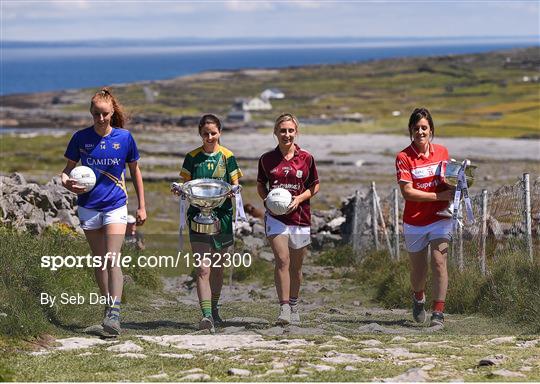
[[33, 207]]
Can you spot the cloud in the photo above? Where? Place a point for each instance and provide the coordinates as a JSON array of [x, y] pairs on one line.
[[90, 19], [248, 6], [81, 9], [303, 4]]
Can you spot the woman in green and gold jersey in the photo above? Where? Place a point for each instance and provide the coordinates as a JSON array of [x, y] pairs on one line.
[[211, 161]]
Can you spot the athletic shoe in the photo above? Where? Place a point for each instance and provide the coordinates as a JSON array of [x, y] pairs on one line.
[[217, 319], [295, 314], [418, 311], [437, 318], [111, 324], [207, 322], [284, 317]]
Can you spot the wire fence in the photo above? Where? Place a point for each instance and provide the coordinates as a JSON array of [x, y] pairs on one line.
[[507, 221]]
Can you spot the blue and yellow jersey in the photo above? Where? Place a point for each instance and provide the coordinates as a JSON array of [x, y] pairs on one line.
[[220, 165], [107, 156]]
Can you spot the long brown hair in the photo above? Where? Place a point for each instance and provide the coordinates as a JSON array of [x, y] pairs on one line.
[[119, 117]]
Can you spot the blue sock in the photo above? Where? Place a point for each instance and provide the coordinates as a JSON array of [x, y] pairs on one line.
[[114, 312]]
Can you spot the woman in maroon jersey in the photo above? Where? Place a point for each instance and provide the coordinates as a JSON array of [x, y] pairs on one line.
[[418, 170], [290, 167]]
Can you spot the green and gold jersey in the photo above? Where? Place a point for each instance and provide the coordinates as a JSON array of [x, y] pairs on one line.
[[220, 165]]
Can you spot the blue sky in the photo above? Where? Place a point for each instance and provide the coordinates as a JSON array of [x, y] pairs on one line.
[[85, 19]]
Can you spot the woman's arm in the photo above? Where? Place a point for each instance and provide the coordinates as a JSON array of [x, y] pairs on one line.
[[262, 190], [411, 194], [306, 195], [70, 184], [136, 177]]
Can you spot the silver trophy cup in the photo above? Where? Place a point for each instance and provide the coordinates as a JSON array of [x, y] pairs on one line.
[[449, 176], [449, 173], [206, 194]]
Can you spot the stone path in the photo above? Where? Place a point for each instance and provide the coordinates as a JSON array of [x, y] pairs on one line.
[[337, 341], [247, 356]]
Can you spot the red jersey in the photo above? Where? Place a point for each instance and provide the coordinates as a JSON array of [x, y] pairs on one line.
[[295, 175], [425, 174]]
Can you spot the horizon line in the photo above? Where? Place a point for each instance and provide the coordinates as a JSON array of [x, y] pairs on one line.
[[274, 38]]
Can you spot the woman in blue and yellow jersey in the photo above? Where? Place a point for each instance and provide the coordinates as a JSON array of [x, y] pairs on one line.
[[211, 161], [106, 148]]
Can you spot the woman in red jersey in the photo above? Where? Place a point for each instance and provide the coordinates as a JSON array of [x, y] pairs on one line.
[[290, 167], [418, 170]]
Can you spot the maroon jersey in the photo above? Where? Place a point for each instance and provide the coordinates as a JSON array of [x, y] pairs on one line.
[[295, 175]]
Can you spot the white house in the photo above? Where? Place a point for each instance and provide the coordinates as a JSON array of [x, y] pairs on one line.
[[254, 104], [272, 93]]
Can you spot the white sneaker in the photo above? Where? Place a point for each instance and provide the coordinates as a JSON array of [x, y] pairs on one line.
[[284, 317], [295, 314]]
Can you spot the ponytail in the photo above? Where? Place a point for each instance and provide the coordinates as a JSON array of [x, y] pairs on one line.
[[118, 118]]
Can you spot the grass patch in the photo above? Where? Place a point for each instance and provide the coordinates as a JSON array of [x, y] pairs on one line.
[[22, 280], [44, 153], [510, 289], [260, 270], [336, 257]]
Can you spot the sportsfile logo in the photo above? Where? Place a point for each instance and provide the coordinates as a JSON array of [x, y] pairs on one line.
[[112, 259]]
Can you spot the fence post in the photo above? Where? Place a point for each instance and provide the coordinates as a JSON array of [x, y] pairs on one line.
[[453, 251], [354, 230], [461, 264], [396, 224], [528, 221], [484, 233], [374, 224], [383, 225]]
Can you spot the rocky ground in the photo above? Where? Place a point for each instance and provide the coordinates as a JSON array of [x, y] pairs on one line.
[[347, 163], [343, 337], [355, 158]]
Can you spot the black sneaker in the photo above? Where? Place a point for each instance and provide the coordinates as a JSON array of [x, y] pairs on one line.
[[418, 311], [437, 319], [217, 319]]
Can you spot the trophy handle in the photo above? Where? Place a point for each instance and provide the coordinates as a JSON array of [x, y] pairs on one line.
[[236, 188], [178, 187]]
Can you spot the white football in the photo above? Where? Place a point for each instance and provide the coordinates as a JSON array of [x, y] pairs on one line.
[[85, 177], [278, 201]]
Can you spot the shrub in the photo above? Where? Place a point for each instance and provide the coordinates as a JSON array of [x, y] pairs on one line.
[[509, 290], [337, 257]]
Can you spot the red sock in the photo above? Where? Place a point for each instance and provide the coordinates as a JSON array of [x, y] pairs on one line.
[[438, 306], [419, 296]]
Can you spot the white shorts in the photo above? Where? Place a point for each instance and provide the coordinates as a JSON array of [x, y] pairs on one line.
[[299, 237], [418, 237], [92, 219]]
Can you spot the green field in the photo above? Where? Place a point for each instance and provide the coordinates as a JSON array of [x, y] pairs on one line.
[[481, 95]]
